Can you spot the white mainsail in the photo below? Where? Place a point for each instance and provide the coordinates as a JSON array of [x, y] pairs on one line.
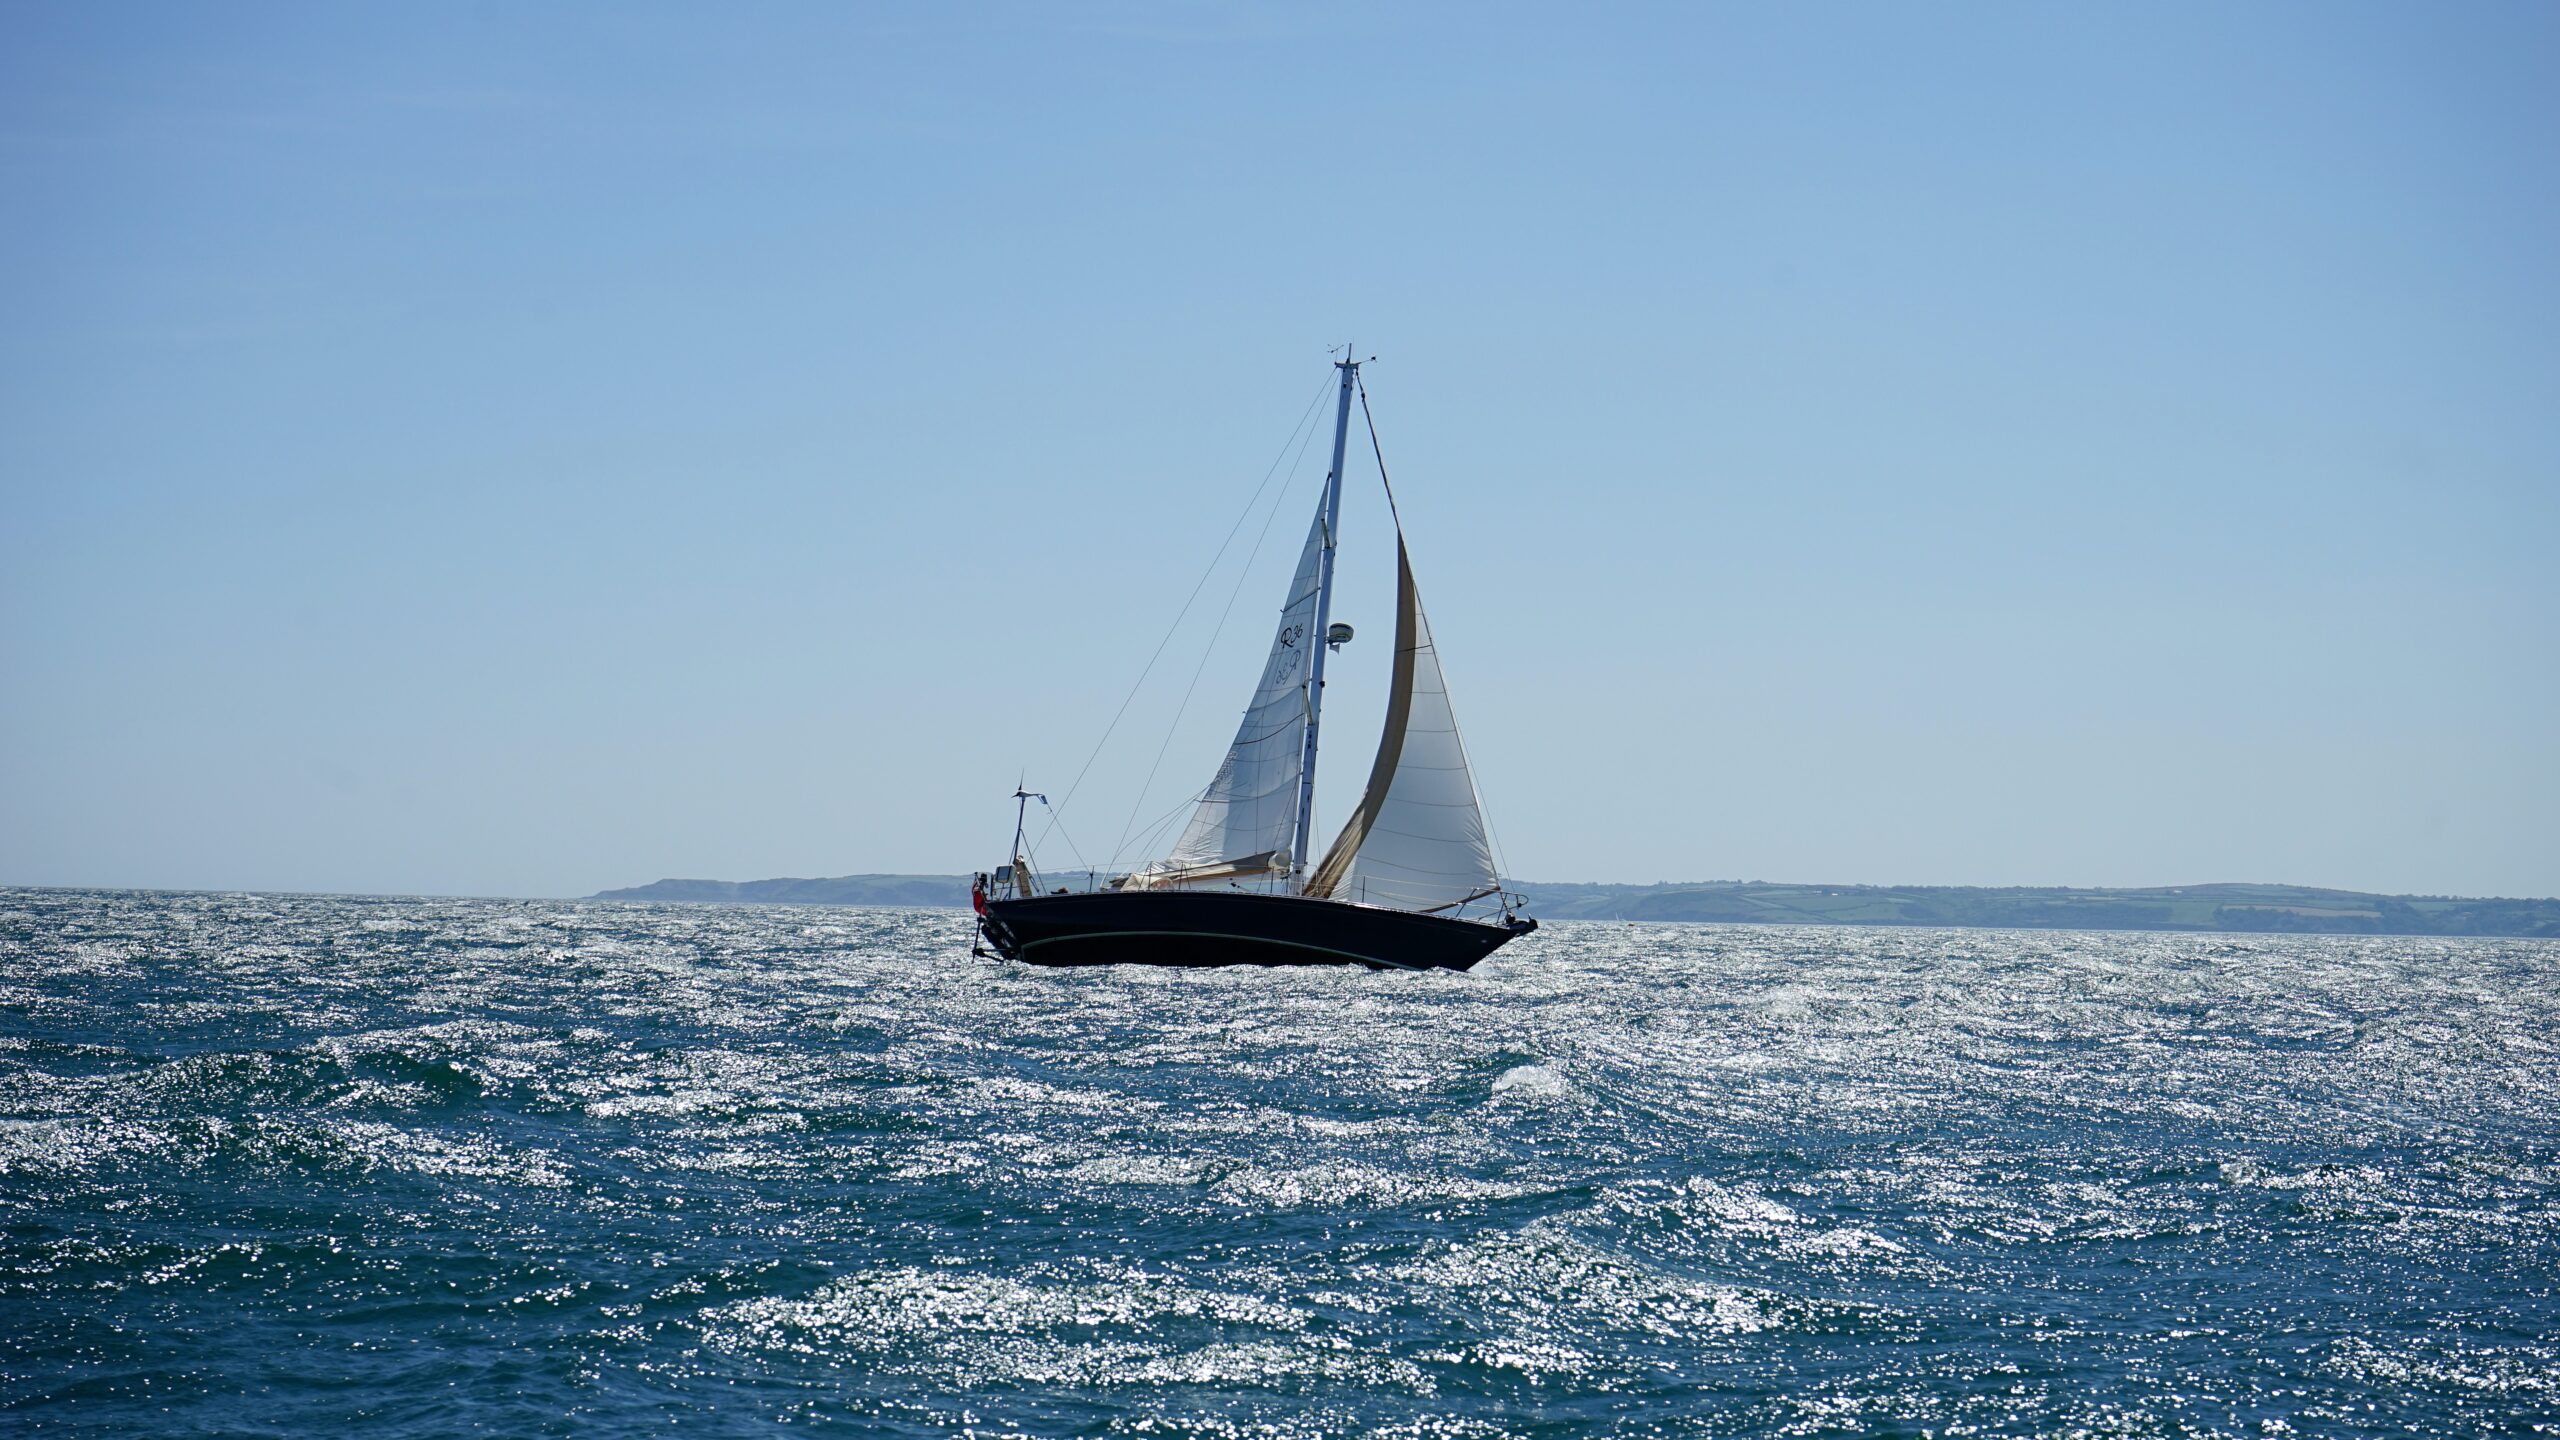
[[1417, 839], [1243, 823]]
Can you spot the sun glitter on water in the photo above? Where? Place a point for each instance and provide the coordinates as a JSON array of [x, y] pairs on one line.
[[411, 1167]]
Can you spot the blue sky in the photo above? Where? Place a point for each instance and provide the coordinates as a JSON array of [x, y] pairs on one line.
[[519, 450]]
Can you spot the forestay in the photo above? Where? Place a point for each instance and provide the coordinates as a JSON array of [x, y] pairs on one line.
[[1417, 839], [1243, 823]]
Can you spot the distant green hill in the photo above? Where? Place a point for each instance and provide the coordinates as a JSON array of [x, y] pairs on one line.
[[2254, 908], [932, 891], [2249, 908]]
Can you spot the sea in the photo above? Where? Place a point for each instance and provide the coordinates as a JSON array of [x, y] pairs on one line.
[[294, 1165]]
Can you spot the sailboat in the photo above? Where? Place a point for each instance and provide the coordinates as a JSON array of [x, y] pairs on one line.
[[1409, 883]]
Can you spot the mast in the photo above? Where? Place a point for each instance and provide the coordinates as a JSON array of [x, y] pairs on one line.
[[1305, 833]]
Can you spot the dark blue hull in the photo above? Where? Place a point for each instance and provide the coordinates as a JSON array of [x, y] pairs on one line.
[[1229, 927]]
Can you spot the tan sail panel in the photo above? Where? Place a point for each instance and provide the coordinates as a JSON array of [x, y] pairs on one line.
[[1336, 864], [1417, 839]]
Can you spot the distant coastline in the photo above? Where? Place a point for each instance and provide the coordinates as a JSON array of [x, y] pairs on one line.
[[2246, 909]]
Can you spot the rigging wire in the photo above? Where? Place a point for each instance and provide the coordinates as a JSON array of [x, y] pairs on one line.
[[1144, 840], [1060, 826], [1501, 861], [1362, 385], [1185, 612], [1211, 648]]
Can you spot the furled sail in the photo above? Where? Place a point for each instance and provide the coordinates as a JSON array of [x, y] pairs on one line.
[[1417, 839], [1243, 824]]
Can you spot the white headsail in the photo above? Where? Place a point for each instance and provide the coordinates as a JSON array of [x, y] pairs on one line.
[[1417, 839], [1244, 822]]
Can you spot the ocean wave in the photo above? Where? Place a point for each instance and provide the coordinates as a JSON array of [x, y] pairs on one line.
[[531, 1166], [1110, 1327]]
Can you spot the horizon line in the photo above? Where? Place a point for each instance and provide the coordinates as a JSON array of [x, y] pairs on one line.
[[396, 894]]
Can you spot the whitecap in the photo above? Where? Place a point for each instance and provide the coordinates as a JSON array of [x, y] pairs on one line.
[[1534, 1082]]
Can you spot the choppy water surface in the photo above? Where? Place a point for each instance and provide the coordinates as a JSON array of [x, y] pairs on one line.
[[301, 1165]]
